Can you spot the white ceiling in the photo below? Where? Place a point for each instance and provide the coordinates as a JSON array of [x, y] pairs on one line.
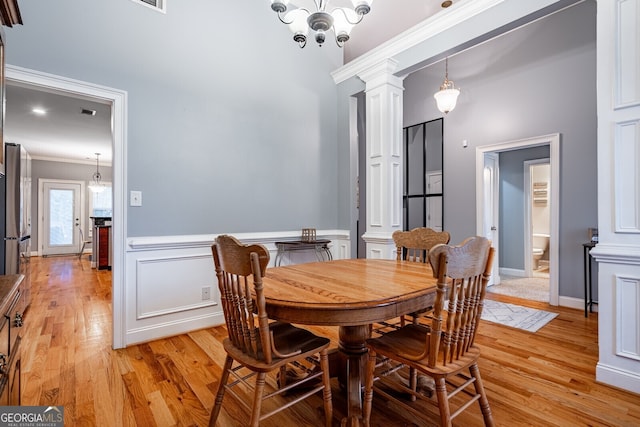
[[387, 19], [64, 134]]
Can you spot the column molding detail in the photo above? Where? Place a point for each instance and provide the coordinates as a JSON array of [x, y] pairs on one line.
[[384, 93], [618, 248]]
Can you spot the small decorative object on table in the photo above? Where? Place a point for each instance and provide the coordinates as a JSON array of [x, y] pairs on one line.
[[308, 235], [593, 235]]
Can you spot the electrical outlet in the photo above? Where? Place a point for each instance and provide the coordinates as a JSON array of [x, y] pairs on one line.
[[206, 293]]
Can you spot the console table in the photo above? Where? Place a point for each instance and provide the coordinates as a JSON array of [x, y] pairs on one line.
[[320, 247]]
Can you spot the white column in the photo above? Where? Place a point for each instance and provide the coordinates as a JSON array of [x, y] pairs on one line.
[[384, 158], [618, 249]]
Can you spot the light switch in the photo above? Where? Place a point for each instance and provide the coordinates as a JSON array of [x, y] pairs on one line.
[[135, 198]]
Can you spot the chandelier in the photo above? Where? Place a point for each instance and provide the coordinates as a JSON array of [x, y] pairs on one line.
[[96, 184], [341, 19], [447, 96]]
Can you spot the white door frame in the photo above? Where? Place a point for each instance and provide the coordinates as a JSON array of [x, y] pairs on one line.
[[553, 141], [118, 101], [41, 209]]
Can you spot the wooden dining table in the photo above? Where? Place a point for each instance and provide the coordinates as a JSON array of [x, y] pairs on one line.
[[350, 294]]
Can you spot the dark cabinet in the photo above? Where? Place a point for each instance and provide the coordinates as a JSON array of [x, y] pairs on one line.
[[101, 245], [11, 323]]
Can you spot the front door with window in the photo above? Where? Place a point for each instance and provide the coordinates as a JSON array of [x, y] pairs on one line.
[[61, 217]]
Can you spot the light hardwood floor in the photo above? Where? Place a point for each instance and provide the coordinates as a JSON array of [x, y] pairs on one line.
[[540, 379]]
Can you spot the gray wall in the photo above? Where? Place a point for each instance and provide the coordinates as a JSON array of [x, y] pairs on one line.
[[231, 126], [65, 171], [534, 81], [512, 204]]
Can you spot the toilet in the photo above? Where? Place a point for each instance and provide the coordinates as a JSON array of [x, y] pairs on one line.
[[540, 243]]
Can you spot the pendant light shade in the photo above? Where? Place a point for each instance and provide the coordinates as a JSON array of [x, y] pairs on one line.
[[447, 96], [96, 184]]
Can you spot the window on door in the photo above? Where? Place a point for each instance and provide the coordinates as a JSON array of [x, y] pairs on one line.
[[423, 186]]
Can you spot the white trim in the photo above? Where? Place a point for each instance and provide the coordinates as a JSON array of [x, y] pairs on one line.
[[118, 101], [616, 254], [553, 140], [146, 243], [626, 181], [165, 276], [627, 46], [512, 272], [464, 15], [620, 378], [425, 30]]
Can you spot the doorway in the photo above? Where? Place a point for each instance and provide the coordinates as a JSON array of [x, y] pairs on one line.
[[60, 212], [537, 219], [486, 193], [117, 99]]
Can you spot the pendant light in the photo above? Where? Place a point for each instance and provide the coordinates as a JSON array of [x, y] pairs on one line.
[[447, 96], [96, 184]]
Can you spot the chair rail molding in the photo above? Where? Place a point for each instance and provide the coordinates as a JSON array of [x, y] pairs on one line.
[[166, 277]]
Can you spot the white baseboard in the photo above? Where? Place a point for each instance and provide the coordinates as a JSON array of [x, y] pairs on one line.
[[619, 378], [511, 272], [164, 330]]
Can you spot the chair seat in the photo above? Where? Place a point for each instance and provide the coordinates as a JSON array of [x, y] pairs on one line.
[[400, 342], [288, 339]]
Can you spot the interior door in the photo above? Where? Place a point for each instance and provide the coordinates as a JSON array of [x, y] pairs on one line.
[[61, 217], [491, 216], [434, 204]]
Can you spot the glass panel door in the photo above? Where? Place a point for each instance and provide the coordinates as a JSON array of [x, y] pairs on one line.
[[61, 218]]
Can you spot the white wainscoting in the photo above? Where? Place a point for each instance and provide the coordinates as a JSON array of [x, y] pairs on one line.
[[165, 277]]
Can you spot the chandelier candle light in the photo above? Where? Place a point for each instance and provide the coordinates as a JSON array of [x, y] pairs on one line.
[[447, 96], [96, 185], [341, 19]]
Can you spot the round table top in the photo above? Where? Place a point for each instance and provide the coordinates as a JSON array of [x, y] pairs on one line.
[[347, 292]]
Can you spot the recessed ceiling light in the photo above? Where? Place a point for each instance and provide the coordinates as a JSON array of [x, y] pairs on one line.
[[39, 111], [446, 3]]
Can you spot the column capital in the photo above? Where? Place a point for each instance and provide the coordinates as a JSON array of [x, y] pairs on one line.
[[381, 74]]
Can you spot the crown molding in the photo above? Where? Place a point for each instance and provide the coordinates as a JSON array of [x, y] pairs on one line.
[[498, 17], [417, 34]]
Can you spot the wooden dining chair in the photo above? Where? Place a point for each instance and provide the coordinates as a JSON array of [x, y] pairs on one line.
[[256, 346], [445, 350], [412, 245]]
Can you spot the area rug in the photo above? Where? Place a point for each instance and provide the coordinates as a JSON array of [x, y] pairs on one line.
[[516, 316], [533, 288]]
